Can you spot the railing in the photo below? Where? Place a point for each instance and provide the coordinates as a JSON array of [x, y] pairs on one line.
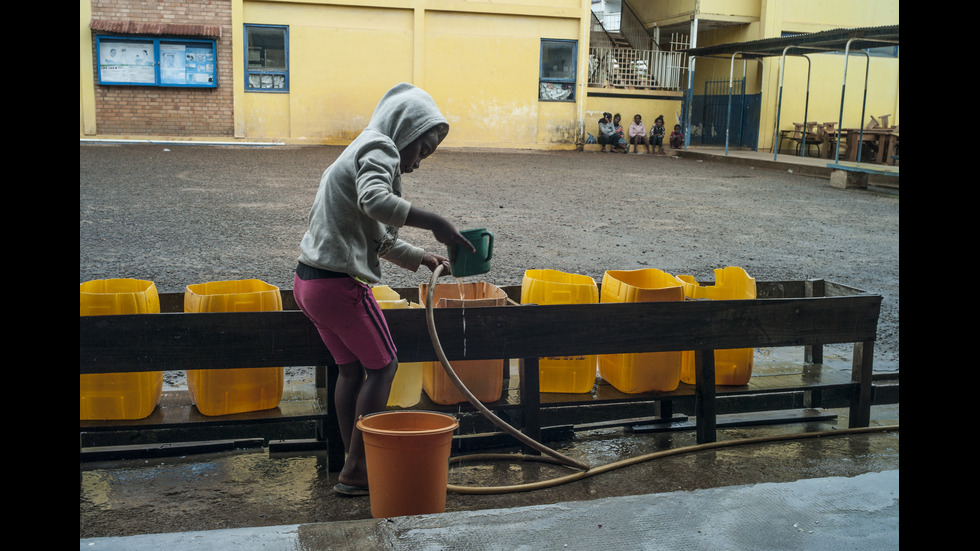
[[635, 32], [635, 69], [610, 21], [599, 36]]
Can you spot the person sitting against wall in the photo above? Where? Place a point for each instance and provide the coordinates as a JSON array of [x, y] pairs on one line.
[[657, 134], [638, 134], [607, 133], [676, 137], [624, 144]]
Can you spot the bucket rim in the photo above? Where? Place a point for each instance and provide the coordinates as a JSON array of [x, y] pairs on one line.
[[451, 427]]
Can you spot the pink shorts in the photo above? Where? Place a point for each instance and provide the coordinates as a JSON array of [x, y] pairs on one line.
[[348, 318]]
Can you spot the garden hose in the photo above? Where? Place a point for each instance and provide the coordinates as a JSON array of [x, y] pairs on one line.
[[526, 487], [520, 436], [554, 457]]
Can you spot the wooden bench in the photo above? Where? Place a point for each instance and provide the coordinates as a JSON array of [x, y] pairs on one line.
[[850, 175], [786, 314]]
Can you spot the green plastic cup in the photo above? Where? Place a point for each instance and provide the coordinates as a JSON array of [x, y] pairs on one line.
[[475, 263]]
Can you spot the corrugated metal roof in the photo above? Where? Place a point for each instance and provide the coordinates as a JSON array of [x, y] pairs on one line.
[[835, 39]]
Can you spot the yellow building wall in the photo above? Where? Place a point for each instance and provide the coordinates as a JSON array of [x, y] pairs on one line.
[[492, 100], [479, 61], [808, 17], [342, 59]]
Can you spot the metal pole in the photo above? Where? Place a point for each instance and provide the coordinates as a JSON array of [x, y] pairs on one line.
[[806, 103], [843, 89], [779, 107], [864, 101], [779, 103], [741, 114], [728, 121], [690, 82]]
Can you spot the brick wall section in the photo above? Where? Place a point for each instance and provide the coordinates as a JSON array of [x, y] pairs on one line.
[[163, 111]]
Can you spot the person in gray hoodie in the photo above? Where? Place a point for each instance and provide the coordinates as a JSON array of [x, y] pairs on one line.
[[353, 224]]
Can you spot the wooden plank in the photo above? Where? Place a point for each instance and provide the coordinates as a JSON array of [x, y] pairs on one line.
[[530, 401], [881, 170], [176, 408], [704, 396], [735, 420], [604, 393], [166, 342], [118, 453], [814, 353], [860, 413], [174, 302]]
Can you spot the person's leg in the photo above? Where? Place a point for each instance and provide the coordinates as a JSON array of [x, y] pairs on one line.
[[349, 381], [371, 397], [353, 328]]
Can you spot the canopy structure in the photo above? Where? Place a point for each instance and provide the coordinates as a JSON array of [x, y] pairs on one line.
[[855, 40]]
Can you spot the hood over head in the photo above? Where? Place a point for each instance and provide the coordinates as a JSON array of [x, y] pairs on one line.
[[406, 112]]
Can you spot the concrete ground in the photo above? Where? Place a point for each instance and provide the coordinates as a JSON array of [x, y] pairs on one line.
[[833, 492], [813, 514]]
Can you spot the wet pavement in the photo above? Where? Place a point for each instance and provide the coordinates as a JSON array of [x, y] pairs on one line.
[[809, 493], [819, 514]]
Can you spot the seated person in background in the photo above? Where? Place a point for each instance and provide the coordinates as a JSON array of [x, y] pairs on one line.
[[638, 134], [657, 134], [676, 137], [623, 143], [607, 132]]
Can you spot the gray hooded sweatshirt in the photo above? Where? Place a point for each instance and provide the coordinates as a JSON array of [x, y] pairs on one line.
[[358, 207]]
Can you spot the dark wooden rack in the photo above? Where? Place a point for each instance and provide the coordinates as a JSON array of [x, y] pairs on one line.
[[808, 313]]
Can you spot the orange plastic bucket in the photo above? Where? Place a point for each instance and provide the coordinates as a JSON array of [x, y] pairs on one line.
[[407, 455]]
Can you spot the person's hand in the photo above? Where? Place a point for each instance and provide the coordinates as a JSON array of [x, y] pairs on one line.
[[447, 234], [433, 261]]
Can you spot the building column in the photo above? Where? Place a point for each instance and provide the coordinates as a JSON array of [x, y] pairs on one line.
[[771, 24]]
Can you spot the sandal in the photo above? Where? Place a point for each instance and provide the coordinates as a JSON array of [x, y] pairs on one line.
[[348, 490]]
